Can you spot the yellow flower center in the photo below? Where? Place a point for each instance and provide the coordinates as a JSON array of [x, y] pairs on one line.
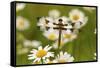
[[61, 60], [67, 35], [50, 62], [52, 36], [76, 17], [41, 53], [21, 23]]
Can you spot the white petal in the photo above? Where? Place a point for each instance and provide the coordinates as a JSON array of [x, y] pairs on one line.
[[61, 53], [20, 6], [21, 23], [37, 59], [40, 48], [54, 13], [30, 58], [34, 51], [50, 54], [46, 47], [70, 59], [55, 46]]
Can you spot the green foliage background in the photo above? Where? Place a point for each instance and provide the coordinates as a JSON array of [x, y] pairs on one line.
[[82, 48]]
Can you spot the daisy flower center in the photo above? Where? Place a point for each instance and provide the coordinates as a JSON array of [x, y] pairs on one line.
[[61, 60], [76, 17], [41, 53], [21, 23], [67, 35], [52, 36]]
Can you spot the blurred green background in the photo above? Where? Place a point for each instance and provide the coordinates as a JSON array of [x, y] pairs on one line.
[[82, 48]]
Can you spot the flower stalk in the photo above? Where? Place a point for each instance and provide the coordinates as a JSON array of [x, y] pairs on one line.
[[41, 60]]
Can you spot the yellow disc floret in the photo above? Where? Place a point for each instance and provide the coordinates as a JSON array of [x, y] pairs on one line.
[[67, 36], [52, 36], [41, 53], [21, 23], [61, 60], [75, 17]]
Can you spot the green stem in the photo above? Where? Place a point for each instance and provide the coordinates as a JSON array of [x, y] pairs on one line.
[[42, 60]]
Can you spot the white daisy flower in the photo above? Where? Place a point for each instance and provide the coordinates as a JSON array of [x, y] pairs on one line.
[[78, 17], [45, 22], [54, 13], [51, 34], [36, 43], [20, 6], [81, 24], [40, 54], [90, 9], [69, 36], [64, 57], [22, 23]]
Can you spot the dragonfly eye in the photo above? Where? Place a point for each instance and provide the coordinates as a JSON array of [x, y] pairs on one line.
[[60, 20]]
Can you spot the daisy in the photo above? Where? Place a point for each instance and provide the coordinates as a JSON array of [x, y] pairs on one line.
[[90, 9], [69, 36], [51, 34], [54, 13], [45, 22], [21, 23], [40, 54], [20, 6], [78, 18], [64, 57]]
